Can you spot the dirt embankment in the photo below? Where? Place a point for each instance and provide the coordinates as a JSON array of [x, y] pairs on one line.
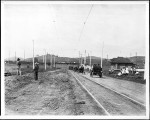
[[51, 92], [55, 93]]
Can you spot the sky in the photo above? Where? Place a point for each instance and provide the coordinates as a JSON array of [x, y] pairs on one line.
[[55, 28]]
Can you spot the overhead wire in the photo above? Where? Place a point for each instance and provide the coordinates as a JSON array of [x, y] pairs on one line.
[[54, 21], [85, 22]]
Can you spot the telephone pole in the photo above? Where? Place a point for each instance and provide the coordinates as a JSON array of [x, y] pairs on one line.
[[136, 58], [79, 57], [15, 55], [90, 58], [102, 55], [9, 57], [51, 60], [45, 59], [85, 58], [54, 60], [33, 54], [24, 55]]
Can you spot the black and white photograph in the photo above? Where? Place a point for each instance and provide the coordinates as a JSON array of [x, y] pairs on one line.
[[75, 59]]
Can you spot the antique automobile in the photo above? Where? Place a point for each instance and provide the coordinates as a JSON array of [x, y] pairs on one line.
[[96, 70]]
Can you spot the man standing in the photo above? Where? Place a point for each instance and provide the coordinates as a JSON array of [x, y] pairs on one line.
[[99, 70], [36, 69], [18, 67]]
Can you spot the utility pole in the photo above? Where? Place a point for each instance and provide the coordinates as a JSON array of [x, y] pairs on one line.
[[54, 60], [15, 56], [136, 58], [79, 57], [145, 71], [45, 59], [85, 58], [102, 55], [33, 54], [51, 60], [90, 58], [24, 55], [9, 57]]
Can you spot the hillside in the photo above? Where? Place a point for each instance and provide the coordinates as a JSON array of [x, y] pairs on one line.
[[140, 60], [13, 58], [94, 59]]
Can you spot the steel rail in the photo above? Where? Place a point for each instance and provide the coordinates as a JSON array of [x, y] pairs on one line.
[[129, 98], [99, 104]]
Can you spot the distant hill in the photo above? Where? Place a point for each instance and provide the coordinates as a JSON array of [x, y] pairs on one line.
[[94, 59], [13, 58], [140, 60]]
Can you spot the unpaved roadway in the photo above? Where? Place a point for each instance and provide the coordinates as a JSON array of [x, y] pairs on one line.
[[114, 104], [55, 93]]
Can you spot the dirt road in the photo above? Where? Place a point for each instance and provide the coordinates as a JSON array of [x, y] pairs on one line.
[[55, 93], [112, 102]]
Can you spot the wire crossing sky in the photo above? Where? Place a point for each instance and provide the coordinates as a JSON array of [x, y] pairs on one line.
[[77, 27], [85, 22]]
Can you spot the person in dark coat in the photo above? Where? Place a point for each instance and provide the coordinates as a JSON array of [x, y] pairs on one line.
[[36, 69], [100, 70], [18, 67]]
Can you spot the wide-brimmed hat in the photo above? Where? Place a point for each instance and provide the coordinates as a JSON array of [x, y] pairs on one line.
[[36, 63]]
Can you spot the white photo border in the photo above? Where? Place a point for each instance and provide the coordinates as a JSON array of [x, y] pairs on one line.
[[3, 116]]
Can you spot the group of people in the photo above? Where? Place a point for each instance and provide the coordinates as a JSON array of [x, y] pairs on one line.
[[79, 69], [36, 69], [126, 71], [96, 68]]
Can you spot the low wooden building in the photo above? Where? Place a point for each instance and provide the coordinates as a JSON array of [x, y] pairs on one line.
[[120, 62]]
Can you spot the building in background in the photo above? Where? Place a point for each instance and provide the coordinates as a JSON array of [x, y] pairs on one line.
[[120, 62]]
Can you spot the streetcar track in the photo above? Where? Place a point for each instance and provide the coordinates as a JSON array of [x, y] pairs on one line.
[[99, 104], [131, 99], [112, 105]]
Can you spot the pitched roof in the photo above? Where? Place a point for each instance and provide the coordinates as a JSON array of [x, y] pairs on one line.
[[121, 60]]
